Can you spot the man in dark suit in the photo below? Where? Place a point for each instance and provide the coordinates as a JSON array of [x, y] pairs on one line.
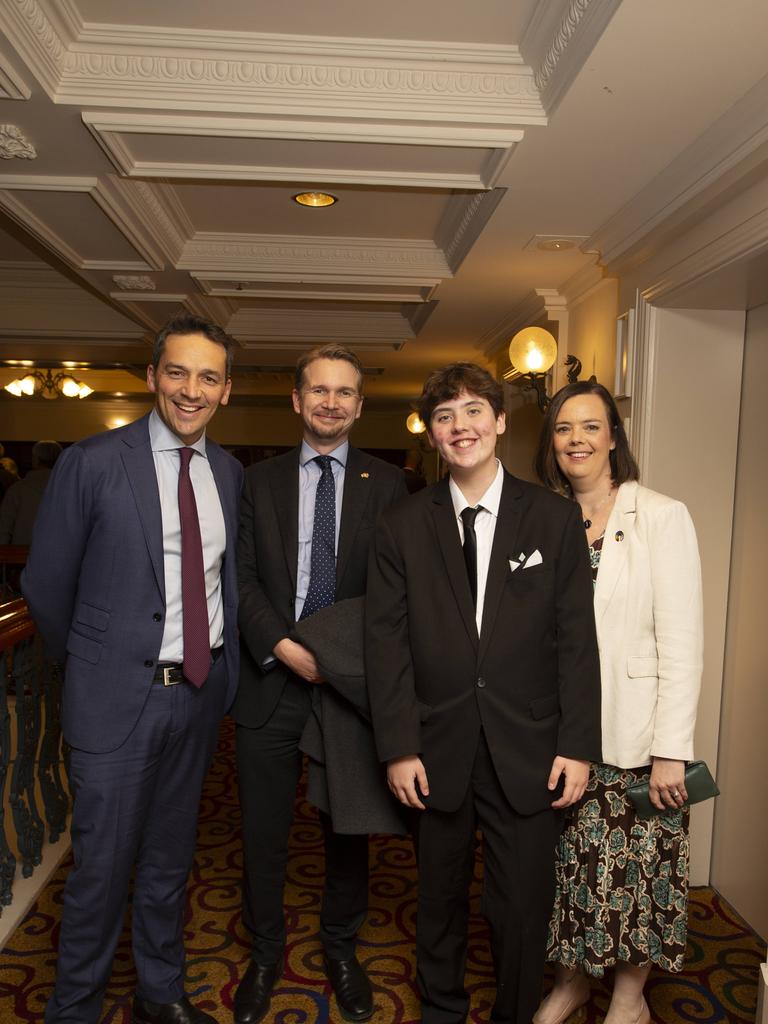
[[131, 580], [483, 678], [305, 529]]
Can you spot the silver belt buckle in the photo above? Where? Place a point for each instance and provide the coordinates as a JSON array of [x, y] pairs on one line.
[[167, 670]]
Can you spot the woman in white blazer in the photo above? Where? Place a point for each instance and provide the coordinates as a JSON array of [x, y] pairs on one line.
[[623, 881]]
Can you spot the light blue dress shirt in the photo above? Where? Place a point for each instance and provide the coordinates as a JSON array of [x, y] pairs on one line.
[[165, 445], [309, 475]]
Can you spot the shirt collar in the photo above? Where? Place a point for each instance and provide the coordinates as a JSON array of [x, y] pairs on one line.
[[308, 453], [163, 439], [490, 500]]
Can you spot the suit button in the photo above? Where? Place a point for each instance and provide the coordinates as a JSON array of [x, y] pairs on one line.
[[148, 663], [157, 617], [480, 682]]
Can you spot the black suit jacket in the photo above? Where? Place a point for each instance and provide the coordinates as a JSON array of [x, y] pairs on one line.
[[268, 551], [531, 680]]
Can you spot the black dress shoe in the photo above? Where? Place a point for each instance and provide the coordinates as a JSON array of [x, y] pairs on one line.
[[182, 1012], [353, 990], [254, 991]]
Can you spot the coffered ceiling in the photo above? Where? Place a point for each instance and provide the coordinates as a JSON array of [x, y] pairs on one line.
[[151, 152]]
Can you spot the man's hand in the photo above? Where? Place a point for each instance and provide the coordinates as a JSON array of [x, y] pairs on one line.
[[666, 788], [403, 775], [298, 659], [576, 777]]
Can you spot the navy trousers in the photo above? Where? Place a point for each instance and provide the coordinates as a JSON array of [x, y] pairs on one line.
[[136, 806]]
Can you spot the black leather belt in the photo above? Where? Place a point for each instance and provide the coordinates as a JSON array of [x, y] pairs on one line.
[[169, 673]]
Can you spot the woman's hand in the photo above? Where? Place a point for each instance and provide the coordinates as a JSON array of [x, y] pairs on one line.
[[576, 778], [667, 785]]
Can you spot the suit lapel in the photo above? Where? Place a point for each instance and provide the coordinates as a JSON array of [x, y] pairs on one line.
[[357, 491], [613, 556], [285, 494], [447, 531], [504, 539], [229, 509], [140, 470]]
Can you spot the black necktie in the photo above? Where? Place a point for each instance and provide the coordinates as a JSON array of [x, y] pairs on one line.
[[322, 573], [468, 517]]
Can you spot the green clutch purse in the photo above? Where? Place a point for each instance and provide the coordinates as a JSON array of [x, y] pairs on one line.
[[699, 785]]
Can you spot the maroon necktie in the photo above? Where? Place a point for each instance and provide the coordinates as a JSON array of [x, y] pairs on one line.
[[194, 605]]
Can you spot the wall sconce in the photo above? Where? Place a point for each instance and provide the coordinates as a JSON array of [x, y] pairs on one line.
[[48, 386], [532, 352]]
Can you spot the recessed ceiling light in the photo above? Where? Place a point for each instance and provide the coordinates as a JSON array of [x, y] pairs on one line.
[[315, 199], [556, 244]]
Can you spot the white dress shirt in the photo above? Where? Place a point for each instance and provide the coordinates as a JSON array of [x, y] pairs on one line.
[[165, 445], [485, 527]]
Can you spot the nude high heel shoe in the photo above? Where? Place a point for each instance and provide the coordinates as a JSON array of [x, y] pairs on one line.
[[566, 1004]]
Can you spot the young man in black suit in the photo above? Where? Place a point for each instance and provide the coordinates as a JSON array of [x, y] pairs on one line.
[[306, 525], [483, 677]]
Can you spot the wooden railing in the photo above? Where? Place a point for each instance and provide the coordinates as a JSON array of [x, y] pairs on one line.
[[30, 746]]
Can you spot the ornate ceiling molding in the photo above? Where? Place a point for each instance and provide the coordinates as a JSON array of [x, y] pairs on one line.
[[559, 39], [106, 194], [157, 209], [275, 74], [115, 132], [297, 258], [463, 223], [224, 285], [12, 85], [286, 328], [133, 283], [13, 143]]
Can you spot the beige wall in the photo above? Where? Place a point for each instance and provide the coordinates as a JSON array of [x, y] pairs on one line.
[[692, 421], [70, 420], [740, 846], [592, 331]]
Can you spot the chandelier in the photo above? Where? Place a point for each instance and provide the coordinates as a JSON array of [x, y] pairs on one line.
[[48, 385]]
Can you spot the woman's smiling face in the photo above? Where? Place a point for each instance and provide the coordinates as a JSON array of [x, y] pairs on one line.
[[583, 440]]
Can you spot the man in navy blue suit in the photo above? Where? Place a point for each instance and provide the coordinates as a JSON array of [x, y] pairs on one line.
[[132, 557]]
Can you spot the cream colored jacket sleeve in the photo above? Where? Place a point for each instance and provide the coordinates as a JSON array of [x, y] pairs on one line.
[[648, 610]]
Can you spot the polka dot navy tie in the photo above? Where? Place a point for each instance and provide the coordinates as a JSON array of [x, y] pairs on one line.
[[322, 573]]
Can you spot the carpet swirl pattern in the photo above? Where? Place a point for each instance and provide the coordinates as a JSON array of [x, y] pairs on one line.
[[719, 983]]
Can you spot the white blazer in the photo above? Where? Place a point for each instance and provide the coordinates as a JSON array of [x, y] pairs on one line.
[[648, 611]]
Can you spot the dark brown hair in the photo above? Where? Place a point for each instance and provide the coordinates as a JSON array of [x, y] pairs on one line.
[[448, 383], [623, 465], [188, 323], [330, 351]]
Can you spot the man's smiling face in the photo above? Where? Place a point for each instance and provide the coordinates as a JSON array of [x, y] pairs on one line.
[[189, 384]]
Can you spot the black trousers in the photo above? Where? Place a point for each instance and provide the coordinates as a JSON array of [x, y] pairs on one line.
[[269, 766], [518, 893]]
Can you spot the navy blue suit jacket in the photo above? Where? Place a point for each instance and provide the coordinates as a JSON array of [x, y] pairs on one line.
[[94, 581]]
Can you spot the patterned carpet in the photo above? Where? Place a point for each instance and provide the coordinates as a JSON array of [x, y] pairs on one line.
[[718, 985]]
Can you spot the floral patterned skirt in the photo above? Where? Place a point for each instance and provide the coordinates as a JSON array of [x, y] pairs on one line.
[[622, 881]]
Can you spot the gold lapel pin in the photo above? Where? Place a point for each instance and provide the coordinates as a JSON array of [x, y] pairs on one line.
[[365, 475], [619, 535]]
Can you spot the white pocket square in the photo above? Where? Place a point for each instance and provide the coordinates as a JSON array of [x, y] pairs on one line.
[[533, 559]]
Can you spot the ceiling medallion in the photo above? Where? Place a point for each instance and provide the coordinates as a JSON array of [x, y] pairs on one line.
[[314, 199], [14, 144]]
